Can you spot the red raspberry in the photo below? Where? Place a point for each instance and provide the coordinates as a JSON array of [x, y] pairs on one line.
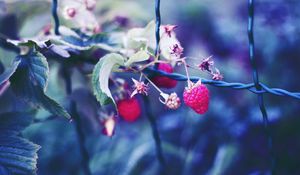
[[197, 97], [162, 81], [129, 109]]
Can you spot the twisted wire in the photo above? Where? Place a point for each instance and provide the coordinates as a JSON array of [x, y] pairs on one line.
[[256, 87], [157, 26], [152, 120], [257, 83], [55, 17], [234, 85]]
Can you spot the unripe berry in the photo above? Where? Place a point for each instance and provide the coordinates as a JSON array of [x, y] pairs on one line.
[[173, 101], [71, 12]]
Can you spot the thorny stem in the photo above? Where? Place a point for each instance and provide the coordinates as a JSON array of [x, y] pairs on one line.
[[155, 134], [186, 71], [79, 130], [161, 92], [141, 76], [152, 63]]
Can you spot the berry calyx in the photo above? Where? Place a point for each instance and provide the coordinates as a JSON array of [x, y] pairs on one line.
[[162, 81], [129, 109], [196, 96], [139, 88]]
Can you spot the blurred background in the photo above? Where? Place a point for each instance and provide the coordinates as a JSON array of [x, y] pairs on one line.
[[228, 139]]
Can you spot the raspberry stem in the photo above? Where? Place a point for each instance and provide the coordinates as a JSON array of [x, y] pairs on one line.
[[161, 92], [187, 72]]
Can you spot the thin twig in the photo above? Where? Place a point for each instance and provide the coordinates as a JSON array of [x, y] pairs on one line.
[[73, 110]]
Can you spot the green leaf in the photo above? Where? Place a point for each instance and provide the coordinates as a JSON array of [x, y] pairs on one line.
[[140, 56], [224, 158], [30, 81], [9, 72], [100, 77], [137, 37], [38, 69], [17, 155], [31, 43], [101, 40]]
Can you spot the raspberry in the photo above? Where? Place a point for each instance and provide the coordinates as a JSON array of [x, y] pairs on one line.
[[196, 97], [129, 109], [162, 81]]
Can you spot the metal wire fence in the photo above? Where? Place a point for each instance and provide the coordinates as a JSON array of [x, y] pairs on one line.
[[256, 87]]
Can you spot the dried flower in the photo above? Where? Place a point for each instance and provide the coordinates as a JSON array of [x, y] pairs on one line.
[[90, 4], [80, 14], [139, 88], [168, 29], [172, 101], [206, 64], [176, 50], [217, 75]]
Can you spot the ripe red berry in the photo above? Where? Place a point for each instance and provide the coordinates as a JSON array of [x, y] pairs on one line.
[[162, 81], [197, 97], [129, 109]]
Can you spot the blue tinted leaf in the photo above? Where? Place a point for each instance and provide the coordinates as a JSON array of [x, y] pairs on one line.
[[8, 72], [17, 155], [99, 40], [37, 68], [30, 80]]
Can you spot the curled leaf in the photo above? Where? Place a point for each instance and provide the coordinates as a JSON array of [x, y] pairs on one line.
[[100, 77], [30, 80]]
